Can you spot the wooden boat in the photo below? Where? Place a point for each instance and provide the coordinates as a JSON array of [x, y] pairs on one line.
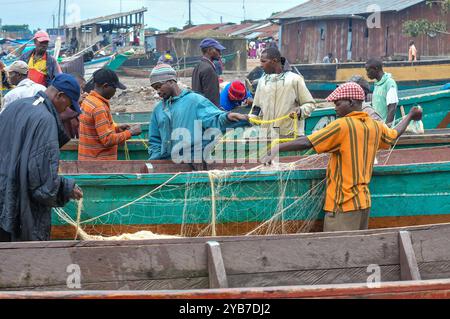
[[435, 105], [137, 149], [409, 187], [321, 79], [412, 262]]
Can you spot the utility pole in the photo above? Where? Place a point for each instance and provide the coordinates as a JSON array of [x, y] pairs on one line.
[[64, 18], [59, 14], [120, 6], [190, 17], [53, 16], [243, 7]]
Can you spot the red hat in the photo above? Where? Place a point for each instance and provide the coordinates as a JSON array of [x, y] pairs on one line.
[[347, 91], [41, 36], [237, 91]]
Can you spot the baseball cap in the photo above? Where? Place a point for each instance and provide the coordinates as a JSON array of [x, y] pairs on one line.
[[209, 42], [109, 77], [347, 91], [67, 84], [41, 36], [19, 67]]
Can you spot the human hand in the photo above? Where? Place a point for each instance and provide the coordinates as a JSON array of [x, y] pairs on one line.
[[270, 156], [249, 101], [77, 193], [296, 114], [236, 117], [416, 113], [135, 129], [124, 127]]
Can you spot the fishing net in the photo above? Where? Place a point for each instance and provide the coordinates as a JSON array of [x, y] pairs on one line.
[[278, 199]]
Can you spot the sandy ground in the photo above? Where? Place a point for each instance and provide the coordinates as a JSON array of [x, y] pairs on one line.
[[140, 96]]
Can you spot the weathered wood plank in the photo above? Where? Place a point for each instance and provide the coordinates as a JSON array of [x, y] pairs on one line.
[[399, 289], [408, 263], [216, 268]]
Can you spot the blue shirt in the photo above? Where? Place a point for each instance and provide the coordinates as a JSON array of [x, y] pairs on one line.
[[228, 104], [190, 112]]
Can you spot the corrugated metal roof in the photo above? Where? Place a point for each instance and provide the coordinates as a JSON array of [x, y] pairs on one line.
[[201, 28], [329, 8]]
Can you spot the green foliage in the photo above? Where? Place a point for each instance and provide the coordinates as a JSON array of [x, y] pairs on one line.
[[445, 4], [15, 28], [414, 28], [173, 29]]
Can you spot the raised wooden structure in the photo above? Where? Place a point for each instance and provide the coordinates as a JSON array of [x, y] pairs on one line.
[[409, 262]]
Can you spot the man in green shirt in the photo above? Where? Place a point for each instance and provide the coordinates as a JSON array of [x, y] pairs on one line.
[[385, 97]]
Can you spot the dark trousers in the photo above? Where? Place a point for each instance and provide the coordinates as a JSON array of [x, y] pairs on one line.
[[4, 236]]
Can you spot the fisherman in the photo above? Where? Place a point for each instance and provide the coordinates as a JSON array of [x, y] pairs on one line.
[[385, 96], [367, 104], [32, 134], [205, 80], [280, 93], [99, 135], [183, 110], [235, 94], [74, 45], [24, 87], [166, 58], [412, 52], [353, 141], [43, 67], [328, 58]]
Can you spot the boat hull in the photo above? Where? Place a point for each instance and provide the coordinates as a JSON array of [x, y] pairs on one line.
[[415, 193]]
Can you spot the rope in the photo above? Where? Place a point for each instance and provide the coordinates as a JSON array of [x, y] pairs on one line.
[[80, 207]]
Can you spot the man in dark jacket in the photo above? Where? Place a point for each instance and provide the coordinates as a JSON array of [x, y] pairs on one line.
[[32, 134], [204, 77], [43, 67]]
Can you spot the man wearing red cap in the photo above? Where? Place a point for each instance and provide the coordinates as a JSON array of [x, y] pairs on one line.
[[42, 66], [234, 94], [353, 141]]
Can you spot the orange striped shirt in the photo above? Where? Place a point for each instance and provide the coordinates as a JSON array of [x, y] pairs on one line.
[[353, 142], [99, 136]]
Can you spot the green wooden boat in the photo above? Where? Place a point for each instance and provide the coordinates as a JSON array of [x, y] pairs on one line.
[[435, 104], [248, 148], [409, 187]]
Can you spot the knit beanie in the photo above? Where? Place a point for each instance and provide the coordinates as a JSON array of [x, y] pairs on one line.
[[237, 91], [162, 73]]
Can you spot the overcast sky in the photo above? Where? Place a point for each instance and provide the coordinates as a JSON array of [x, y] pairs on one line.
[[162, 13]]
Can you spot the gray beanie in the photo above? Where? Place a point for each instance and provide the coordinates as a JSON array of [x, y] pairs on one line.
[[162, 73]]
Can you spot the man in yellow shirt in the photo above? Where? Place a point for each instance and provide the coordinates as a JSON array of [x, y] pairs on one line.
[[353, 141]]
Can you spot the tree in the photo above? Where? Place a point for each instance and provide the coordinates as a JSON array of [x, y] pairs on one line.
[[173, 29], [414, 28]]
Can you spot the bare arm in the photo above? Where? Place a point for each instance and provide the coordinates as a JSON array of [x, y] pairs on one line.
[[300, 144], [392, 108], [414, 115]]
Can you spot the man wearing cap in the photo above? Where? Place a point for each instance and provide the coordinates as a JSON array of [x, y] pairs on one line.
[[183, 111], [205, 80], [99, 135], [233, 95], [43, 67], [24, 87], [353, 141], [32, 134]]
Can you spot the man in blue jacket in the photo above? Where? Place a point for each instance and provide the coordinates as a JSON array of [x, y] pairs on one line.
[[32, 134], [180, 122]]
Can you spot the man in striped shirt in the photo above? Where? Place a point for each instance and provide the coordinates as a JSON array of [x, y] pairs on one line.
[[353, 141], [99, 135]]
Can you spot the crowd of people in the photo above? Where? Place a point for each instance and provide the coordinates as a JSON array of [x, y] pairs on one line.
[[47, 108]]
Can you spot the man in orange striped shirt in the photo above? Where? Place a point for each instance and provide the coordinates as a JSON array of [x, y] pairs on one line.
[[99, 135], [353, 141]]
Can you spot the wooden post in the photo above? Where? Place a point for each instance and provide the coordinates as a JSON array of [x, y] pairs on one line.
[[409, 269], [216, 268]]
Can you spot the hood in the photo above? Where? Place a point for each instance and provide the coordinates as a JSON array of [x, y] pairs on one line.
[[385, 77]]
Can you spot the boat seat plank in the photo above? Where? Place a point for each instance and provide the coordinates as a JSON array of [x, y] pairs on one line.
[[216, 268], [408, 263]]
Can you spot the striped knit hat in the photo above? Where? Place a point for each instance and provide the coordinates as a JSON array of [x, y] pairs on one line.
[[162, 73]]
